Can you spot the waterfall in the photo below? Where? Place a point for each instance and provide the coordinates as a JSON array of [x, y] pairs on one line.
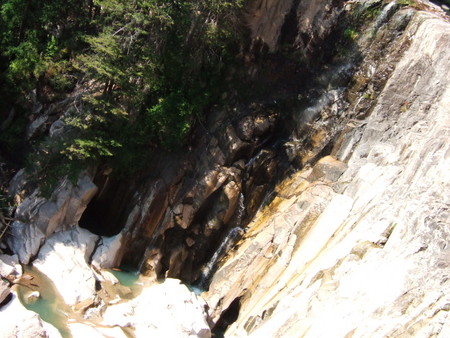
[[228, 242], [240, 210]]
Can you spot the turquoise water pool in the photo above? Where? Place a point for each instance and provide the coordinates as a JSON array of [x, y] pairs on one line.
[[125, 278], [50, 305]]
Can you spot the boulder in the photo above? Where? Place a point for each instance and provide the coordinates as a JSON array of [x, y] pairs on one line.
[[107, 254], [263, 124], [57, 128], [32, 297], [246, 128], [17, 184], [168, 309], [10, 268], [37, 126], [64, 259], [233, 147], [25, 240], [38, 217]]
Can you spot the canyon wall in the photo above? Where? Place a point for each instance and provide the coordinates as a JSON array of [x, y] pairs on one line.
[[318, 210], [357, 245]]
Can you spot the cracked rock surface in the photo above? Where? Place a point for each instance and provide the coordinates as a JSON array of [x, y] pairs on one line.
[[359, 248]]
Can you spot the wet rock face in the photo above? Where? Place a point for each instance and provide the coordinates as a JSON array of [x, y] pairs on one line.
[[175, 218], [355, 245]]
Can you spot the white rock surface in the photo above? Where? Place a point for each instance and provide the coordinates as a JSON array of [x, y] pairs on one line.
[[18, 322], [63, 258], [368, 255], [32, 297], [162, 310], [4, 290], [25, 240], [85, 330], [38, 218], [106, 255], [9, 267]]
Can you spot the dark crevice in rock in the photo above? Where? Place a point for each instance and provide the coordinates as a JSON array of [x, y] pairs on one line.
[[173, 241], [6, 300], [98, 285], [106, 214], [289, 29], [228, 317], [98, 242]]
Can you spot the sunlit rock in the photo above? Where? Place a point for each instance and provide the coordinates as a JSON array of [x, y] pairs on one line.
[[25, 240], [4, 290], [92, 331], [359, 249], [107, 253], [162, 310], [327, 169], [10, 268], [64, 259], [16, 321], [38, 217]]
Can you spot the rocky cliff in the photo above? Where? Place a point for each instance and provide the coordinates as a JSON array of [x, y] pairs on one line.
[[357, 245], [317, 210]]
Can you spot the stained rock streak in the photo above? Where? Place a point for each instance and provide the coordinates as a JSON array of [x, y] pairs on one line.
[[366, 252]]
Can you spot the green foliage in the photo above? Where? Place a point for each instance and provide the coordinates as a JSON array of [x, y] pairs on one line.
[[49, 163], [351, 34], [148, 69], [405, 2], [169, 120]]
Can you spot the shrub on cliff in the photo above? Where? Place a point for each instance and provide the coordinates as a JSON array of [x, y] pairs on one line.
[[146, 69]]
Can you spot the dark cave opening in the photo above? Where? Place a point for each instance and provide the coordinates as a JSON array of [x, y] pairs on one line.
[[106, 214], [228, 317]]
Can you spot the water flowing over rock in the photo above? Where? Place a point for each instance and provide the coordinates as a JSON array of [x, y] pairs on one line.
[[363, 253]]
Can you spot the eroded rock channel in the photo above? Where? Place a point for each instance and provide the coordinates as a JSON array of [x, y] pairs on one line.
[[317, 207]]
